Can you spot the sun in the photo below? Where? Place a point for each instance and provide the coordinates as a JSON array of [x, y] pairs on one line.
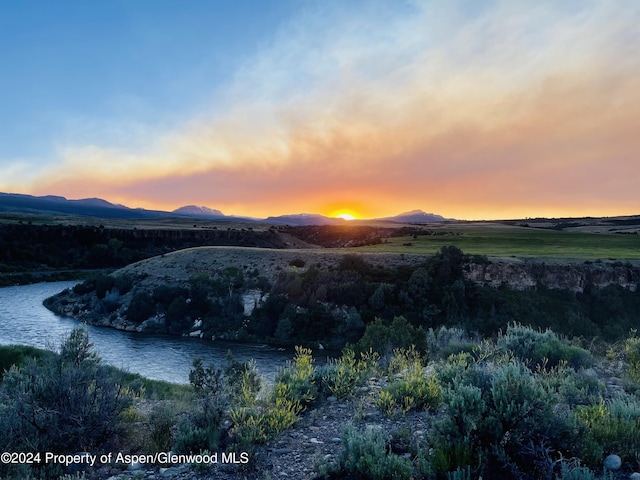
[[344, 214]]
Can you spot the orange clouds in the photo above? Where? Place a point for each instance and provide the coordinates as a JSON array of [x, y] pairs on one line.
[[509, 117]]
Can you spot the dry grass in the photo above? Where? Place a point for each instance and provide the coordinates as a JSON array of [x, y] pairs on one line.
[[181, 265]]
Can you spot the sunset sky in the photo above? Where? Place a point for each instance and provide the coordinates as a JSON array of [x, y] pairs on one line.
[[468, 109]]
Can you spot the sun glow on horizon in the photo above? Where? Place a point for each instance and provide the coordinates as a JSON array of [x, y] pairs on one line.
[[344, 214]]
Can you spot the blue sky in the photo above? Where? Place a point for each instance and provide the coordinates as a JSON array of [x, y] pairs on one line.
[[74, 68], [470, 109]]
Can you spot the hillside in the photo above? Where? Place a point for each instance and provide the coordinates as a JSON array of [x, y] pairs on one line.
[[310, 296]]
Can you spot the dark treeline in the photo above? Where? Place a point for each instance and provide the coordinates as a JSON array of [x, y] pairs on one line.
[[303, 305], [25, 247]]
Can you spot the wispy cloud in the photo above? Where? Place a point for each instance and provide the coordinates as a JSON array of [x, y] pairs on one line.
[[520, 108]]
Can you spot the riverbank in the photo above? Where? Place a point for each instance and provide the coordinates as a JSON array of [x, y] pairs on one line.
[[328, 297], [30, 277], [25, 321]]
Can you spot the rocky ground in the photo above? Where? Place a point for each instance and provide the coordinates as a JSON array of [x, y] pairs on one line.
[[308, 450], [302, 452]]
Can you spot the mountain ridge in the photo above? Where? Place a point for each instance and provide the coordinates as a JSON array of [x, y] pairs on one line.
[[98, 207]]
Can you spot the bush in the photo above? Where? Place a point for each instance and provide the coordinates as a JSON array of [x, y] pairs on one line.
[[576, 472], [537, 348], [249, 427], [200, 429], [447, 341], [141, 307], [104, 283], [294, 388], [255, 425], [62, 403], [366, 455], [412, 389], [382, 338], [162, 420], [18, 355], [124, 283], [177, 318], [299, 376], [611, 426], [573, 388], [493, 411], [283, 413], [343, 376], [297, 262], [632, 357], [85, 287], [165, 294]]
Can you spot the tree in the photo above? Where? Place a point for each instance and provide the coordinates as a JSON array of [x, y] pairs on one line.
[[141, 307]]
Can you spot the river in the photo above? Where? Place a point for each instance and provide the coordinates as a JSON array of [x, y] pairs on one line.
[[25, 321]]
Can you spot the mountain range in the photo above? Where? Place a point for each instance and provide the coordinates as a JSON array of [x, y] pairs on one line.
[[97, 207]]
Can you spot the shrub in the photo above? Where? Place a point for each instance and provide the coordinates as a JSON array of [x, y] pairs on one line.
[[200, 429], [382, 338], [611, 426], [632, 357], [571, 471], [283, 413], [162, 419], [519, 402], [18, 355], [141, 307], [254, 423], [343, 376], [243, 381], [573, 388], [104, 283], [298, 376], [366, 455], [542, 348], [297, 262], [249, 427], [460, 474], [447, 341], [165, 294], [85, 287], [412, 389], [493, 411], [177, 317], [62, 403]]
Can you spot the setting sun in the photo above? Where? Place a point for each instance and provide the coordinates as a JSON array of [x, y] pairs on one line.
[[344, 213]]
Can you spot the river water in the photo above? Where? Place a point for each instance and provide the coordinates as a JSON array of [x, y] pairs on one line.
[[25, 321]]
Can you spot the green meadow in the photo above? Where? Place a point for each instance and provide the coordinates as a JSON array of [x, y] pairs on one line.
[[504, 241]]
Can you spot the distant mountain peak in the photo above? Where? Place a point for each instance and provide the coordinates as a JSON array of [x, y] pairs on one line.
[[198, 211], [413, 212], [416, 216], [304, 219], [95, 202]]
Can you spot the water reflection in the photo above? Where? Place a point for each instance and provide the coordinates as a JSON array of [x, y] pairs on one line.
[[24, 320]]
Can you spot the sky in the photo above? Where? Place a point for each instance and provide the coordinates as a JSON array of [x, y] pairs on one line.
[[469, 109]]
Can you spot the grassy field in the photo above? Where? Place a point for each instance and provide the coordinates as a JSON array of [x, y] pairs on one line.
[[497, 240]]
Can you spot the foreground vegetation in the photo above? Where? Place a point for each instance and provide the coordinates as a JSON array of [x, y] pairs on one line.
[[525, 404]]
